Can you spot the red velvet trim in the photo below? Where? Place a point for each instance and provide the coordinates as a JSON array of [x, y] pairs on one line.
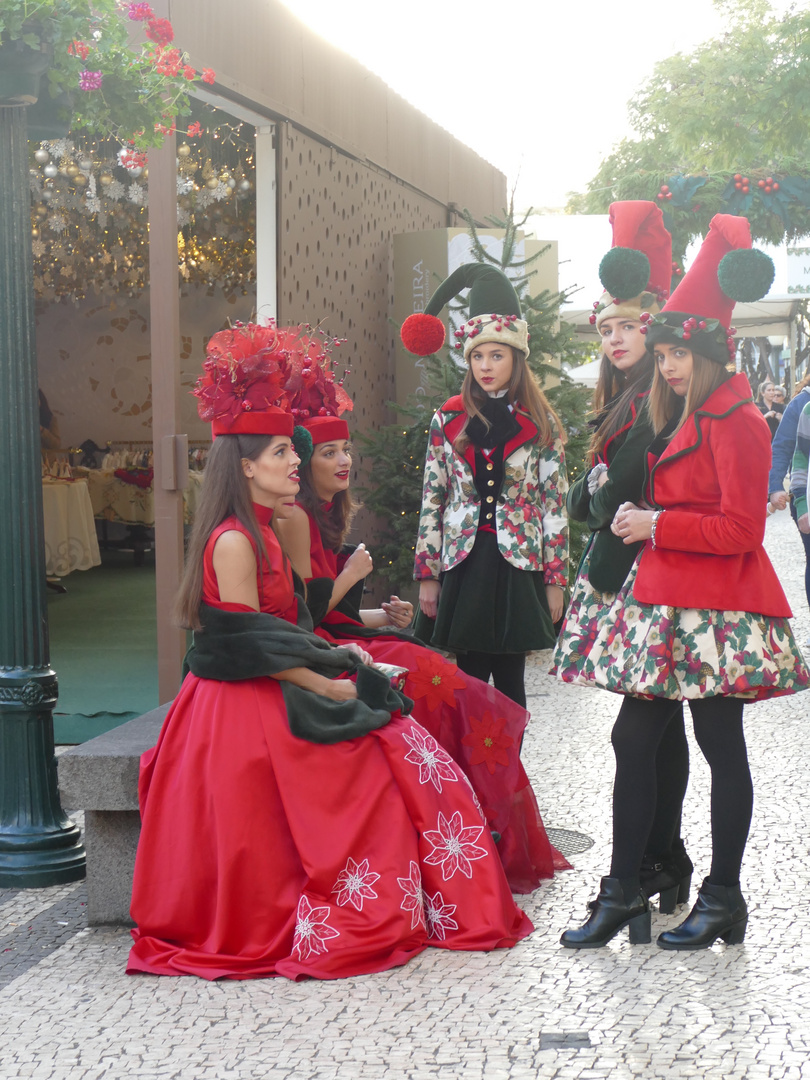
[[270, 421], [326, 429]]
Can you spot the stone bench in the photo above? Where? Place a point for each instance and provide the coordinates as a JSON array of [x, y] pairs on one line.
[[101, 778]]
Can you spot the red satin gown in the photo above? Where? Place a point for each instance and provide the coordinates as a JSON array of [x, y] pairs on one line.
[[262, 854], [476, 724]]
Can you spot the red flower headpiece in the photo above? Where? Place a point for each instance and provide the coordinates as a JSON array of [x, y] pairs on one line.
[[244, 372], [311, 386]]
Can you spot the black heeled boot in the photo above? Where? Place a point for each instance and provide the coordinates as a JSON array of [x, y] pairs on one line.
[[719, 912], [668, 878], [619, 904]]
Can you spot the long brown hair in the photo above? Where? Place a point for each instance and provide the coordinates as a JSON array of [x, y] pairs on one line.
[[333, 526], [225, 493], [664, 403], [523, 391], [613, 397]]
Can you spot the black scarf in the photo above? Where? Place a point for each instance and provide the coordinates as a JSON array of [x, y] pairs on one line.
[[236, 645], [503, 424]]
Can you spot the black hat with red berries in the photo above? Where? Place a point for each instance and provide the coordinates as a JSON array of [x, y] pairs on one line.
[[495, 313], [726, 270]]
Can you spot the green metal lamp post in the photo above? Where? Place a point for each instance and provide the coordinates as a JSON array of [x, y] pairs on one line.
[[39, 845]]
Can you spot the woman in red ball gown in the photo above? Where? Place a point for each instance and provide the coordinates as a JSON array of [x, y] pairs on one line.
[[269, 845]]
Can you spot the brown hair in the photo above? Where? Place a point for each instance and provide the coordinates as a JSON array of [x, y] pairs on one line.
[[334, 526], [225, 493], [613, 397], [523, 391], [664, 403], [763, 387]]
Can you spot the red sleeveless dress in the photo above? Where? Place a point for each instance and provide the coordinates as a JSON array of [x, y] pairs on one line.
[[476, 724], [262, 854]]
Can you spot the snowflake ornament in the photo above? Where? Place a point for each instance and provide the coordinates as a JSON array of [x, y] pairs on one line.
[[115, 190]]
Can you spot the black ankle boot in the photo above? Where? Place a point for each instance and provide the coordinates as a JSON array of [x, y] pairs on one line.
[[668, 877], [719, 912], [619, 904]]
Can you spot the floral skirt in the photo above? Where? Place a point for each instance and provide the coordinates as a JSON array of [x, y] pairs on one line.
[[613, 641]]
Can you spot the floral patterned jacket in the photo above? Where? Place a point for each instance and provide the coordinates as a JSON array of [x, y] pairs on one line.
[[530, 515]]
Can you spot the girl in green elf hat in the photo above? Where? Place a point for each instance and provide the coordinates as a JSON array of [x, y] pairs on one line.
[[492, 546], [701, 616], [637, 267]]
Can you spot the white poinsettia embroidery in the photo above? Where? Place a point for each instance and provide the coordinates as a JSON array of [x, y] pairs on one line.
[[311, 930], [413, 898], [434, 763], [454, 846], [437, 916], [478, 805], [353, 884]]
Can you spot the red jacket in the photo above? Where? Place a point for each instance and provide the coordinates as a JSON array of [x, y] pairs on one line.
[[712, 484]]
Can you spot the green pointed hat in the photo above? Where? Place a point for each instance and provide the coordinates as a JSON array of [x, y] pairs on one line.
[[495, 313]]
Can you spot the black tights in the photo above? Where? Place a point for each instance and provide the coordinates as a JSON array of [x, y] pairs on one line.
[[507, 671], [672, 777], [637, 734]]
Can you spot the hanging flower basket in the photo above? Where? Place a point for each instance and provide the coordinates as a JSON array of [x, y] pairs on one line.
[[82, 48]]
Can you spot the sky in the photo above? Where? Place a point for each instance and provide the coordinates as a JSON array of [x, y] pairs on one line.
[[539, 89]]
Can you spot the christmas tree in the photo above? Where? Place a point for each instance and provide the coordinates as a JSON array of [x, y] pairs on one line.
[[397, 452]]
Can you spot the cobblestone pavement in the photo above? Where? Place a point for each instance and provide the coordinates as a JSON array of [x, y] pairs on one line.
[[68, 1011]]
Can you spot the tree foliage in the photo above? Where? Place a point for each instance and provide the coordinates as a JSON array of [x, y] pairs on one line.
[[715, 123]]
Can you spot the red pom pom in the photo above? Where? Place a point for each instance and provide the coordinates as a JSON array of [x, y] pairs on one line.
[[422, 334]]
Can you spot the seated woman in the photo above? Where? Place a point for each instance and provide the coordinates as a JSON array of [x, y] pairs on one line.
[[295, 821], [479, 727]]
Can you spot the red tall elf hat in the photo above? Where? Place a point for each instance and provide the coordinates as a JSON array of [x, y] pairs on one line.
[[725, 270], [637, 269]]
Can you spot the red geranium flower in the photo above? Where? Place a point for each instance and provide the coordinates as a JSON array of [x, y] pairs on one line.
[[78, 48], [435, 680], [488, 742], [208, 75], [159, 31], [194, 129]]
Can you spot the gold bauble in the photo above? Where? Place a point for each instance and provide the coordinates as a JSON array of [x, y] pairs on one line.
[[183, 150], [79, 179], [212, 183], [72, 169], [106, 178], [35, 232]]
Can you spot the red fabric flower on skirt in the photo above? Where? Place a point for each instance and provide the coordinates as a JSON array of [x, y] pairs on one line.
[[488, 742], [435, 680]]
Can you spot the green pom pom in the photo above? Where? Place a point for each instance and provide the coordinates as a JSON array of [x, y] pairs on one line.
[[745, 275], [624, 272], [302, 444]]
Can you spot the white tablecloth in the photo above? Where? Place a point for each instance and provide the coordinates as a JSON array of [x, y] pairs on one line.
[[70, 529], [116, 500]]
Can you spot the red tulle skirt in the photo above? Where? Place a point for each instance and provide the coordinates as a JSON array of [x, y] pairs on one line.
[[482, 730]]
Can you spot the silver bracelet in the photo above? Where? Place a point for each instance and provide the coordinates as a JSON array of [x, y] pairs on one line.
[[653, 526], [593, 477]]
